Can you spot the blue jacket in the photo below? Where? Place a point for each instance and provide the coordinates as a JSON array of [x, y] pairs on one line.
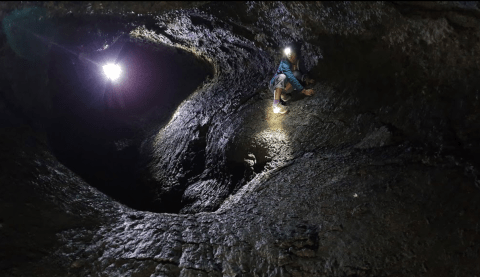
[[284, 68]]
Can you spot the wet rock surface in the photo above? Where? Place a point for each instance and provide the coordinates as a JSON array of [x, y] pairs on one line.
[[374, 175]]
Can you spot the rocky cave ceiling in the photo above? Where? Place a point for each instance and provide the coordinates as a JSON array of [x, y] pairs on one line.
[[180, 168]]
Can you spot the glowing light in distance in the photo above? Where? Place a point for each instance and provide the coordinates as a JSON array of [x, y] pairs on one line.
[[112, 71], [287, 51]]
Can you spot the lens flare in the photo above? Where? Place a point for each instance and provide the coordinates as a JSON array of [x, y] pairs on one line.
[[287, 51], [112, 71]]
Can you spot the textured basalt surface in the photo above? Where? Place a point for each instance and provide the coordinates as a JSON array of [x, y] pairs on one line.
[[374, 175]]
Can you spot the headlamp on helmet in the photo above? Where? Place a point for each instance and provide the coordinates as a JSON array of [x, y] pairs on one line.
[[289, 53]]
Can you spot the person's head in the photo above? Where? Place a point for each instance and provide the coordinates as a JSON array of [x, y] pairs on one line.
[[291, 54]]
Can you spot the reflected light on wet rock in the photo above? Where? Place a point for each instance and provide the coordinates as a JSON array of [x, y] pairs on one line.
[[278, 145], [274, 120], [275, 138]]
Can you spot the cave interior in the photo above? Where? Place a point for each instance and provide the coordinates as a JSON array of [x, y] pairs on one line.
[[180, 167]]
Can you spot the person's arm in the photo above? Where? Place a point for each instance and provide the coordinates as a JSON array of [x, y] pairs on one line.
[[293, 81], [305, 78], [290, 77]]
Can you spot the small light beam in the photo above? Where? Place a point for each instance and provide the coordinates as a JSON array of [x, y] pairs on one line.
[[287, 51], [112, 71]]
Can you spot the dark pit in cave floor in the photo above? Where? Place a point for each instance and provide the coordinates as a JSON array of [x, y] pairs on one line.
[[98, 124]]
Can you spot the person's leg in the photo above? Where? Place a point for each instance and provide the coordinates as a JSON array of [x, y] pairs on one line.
[[278, 92], [279, 86], [288, 88], [285, 95]]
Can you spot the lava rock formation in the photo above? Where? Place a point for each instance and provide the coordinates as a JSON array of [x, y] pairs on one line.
[[182, 168]]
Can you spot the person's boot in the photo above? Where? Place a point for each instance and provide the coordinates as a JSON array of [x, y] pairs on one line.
[[279, 108]]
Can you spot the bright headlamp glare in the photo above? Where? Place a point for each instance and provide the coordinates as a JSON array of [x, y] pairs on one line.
[[112, 71]]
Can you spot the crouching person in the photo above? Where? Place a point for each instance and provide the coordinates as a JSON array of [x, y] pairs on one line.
[[285, 81]]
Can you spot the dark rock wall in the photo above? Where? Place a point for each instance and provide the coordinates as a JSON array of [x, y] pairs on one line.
[[374, 175]]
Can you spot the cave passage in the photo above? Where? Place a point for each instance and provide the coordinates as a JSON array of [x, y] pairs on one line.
[[97, 124]]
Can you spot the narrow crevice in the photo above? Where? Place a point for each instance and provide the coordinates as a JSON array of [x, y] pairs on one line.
[[243, 162]]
